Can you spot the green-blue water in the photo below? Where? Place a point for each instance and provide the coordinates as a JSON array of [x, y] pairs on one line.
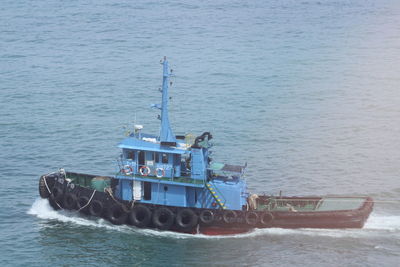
[[306, 92]]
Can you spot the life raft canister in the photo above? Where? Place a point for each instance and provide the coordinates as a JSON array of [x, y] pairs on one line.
[[144, 170], [127, 169], [160, 172]]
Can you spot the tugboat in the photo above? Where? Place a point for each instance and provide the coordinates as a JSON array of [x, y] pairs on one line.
[[169, 182]]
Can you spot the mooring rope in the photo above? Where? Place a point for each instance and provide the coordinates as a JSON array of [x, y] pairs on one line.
[[109, 191], [94, 191], [48, 189], [45, 183]]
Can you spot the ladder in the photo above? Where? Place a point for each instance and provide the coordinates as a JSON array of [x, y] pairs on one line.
[[215, 196]]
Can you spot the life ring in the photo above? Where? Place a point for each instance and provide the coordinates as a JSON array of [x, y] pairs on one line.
[[206, 216], [160, 175], [70, 201], [116, 214], [186, 219], [229, 216], [96, 208], [144, 170], [140, 216], [127, 169], [251, 218], [266, 218], [163, 218]]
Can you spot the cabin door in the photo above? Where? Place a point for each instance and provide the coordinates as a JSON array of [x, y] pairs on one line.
[[137, 190]]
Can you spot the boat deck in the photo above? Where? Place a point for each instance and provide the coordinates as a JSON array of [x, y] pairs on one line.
[[334, 203], [300, 204]]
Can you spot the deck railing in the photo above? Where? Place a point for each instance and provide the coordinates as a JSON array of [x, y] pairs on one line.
[[131, 169]]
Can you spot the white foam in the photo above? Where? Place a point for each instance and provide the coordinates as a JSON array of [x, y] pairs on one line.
[[376, 224], [383, 222], [42, 209]]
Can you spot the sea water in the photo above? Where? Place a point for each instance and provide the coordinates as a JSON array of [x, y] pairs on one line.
[[306, 92]]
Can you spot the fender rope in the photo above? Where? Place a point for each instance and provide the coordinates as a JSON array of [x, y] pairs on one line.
[[94, 191], [109, 191], [48, 189], [45, 183]]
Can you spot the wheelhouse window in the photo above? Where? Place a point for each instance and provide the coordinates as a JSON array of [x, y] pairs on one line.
[[156, 157], [164, 158], [130, 155]]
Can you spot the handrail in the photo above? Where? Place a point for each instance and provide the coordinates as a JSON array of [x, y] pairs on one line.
[[187, 180], [219, 192]]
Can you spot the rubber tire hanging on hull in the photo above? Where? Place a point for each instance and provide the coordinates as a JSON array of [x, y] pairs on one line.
[[266, 219], [53, 203], [70, 201], [206, 217], [82, 202], [96, 208], [186, 219], [140, 216], [57, 194], [43, 192], [229, 216], [163, 218], [116, 214], [56, 198], [251, 218]]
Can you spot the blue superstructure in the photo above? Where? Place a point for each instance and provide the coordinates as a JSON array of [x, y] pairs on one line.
[[176, 170]]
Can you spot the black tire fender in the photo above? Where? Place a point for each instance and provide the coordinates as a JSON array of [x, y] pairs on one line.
[[163, 218], [186, 219], [251, 218], [207, 217], [53, 203], [70, 201], [96, 208], [43, 191], [116, 214], [229, 216], [140, 216], [82, 202], [57, 195], [266, 218]]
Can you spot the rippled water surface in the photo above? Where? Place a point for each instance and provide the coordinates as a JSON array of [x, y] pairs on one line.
[[306, 92]]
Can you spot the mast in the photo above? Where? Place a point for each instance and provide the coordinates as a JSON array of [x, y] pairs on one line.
[[167, 137]]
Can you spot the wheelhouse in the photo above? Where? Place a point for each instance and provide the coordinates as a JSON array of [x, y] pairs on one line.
[[176, 170]]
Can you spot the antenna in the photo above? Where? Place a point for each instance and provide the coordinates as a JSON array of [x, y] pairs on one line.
[[167, 137]]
